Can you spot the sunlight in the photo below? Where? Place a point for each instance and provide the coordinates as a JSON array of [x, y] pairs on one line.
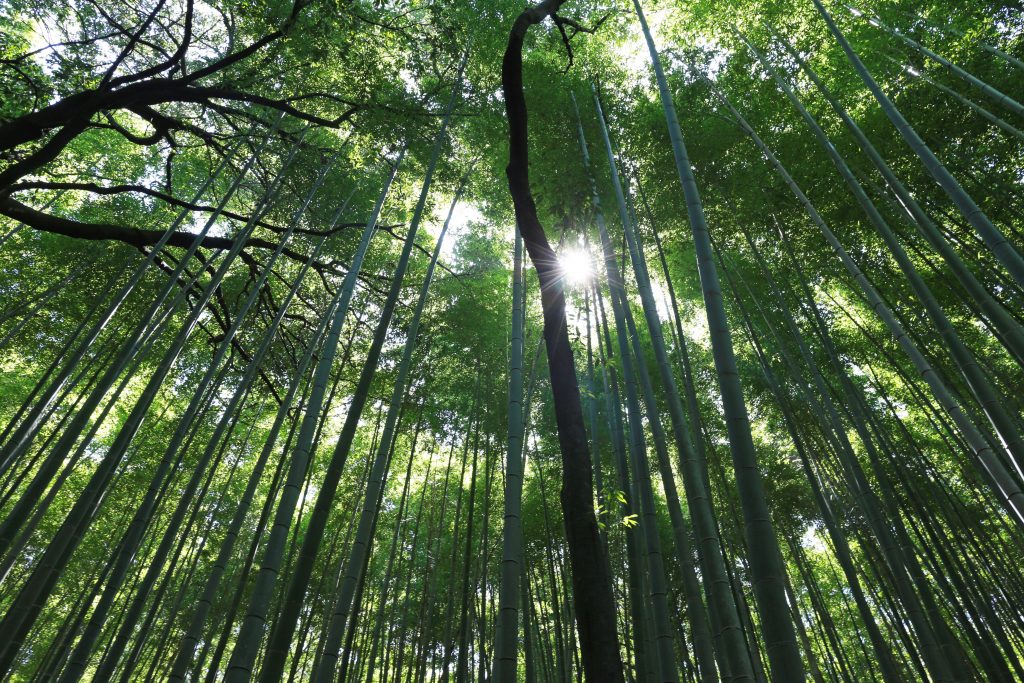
[[577, 266], [466, 213]]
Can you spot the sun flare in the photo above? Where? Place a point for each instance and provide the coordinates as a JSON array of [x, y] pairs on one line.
[[577, 266]]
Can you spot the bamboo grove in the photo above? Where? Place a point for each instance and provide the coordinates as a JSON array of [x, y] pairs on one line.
[[605, 340]]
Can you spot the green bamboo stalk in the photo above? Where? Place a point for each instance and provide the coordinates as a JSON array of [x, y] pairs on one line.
[[700, 629], [22, 614], [191, 638], [633, 552], [1004, 483], [1000, 98], [1010, 331], [247, 641], [280, 641], [985, 394], [379, 618], [143, 515], [900, 560], [970, 104], [989, 233], [506, 656], [763, 546], [378, 473], [648, 522]]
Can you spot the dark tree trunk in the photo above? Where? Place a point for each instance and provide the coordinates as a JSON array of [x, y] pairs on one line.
[[591, 576]]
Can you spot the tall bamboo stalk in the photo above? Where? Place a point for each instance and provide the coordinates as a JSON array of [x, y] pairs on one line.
[[378, 473], [766, 561], [506, 655], [993, 238]]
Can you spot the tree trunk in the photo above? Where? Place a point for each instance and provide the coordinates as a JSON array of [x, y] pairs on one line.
[[591, 575]]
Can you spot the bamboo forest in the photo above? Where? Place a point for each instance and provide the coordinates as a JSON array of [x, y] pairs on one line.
[[646, 341]]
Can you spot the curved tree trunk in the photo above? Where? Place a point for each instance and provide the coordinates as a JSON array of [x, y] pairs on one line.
[[591, 575]]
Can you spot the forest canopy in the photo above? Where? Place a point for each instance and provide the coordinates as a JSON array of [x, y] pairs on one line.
[[604, 340]]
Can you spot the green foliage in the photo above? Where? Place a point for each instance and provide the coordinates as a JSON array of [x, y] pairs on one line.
[[358, 81]]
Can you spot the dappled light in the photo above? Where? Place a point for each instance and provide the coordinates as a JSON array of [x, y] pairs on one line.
[[673, 341]]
